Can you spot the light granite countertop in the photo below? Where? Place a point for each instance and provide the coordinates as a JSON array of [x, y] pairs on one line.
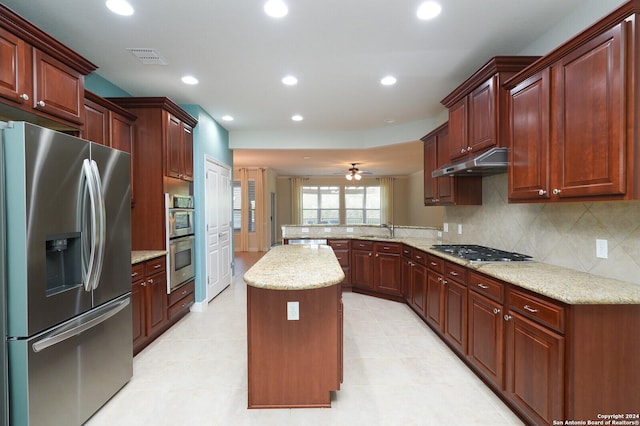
[[558, 283], [296, 267], [138, 256]]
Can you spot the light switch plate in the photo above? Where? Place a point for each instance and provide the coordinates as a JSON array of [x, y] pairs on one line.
[[445, 227], [293, 311], [602, 249], [349, 229], [460, 228]]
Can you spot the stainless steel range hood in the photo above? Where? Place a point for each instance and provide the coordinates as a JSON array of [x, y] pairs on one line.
[[490, 162]]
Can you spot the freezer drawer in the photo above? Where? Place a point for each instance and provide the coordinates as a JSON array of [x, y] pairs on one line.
[[60, 377]]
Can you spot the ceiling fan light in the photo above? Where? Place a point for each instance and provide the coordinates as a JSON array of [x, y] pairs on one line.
[[357, 176], [349, 176]]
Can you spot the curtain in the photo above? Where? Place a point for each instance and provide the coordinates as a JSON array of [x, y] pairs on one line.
[[386, 200], [244, 213], [260, 210], [296, 200]]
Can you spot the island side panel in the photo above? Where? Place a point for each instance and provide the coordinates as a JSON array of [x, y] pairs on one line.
[[293, 363]]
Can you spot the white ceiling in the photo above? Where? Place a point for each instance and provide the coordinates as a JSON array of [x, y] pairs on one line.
[[338, 49]]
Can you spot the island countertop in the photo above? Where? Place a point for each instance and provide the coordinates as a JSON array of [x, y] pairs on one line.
[[296, 267]]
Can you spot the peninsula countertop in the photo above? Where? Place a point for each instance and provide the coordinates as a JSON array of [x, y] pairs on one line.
[[296, 267]]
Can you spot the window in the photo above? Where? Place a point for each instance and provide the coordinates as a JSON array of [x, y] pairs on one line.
[[321, 205], [237, 205], [362, 205], [358, 205]]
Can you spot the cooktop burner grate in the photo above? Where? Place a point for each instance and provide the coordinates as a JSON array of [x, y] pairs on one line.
[[476, 253]]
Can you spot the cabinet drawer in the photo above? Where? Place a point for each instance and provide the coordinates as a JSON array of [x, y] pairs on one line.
[[137, 271], [541, 311], [435, 263], [155, 265], [486, 286], [407, 251], [342, 256], [455, 272], [181, 307], [388, 248], [181, 292], [339, 244], [419, 257], [362, 245]]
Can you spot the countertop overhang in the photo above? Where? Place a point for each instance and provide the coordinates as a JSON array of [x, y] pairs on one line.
[[296, 267]]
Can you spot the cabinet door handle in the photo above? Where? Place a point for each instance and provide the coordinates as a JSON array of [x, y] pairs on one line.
[[133, 274], [469, 148], [385, 248], [41, 104], [369, 254], [433, 264], [445, 282], [150, 280], [483, 286], [24, 97], [530, 309], [496, 311], [376, 254], [453, 273], [418, 257], [556, 191], [462, 151], [143, 283], [542, 192], [157, 266], [439, 278], [507, 317], [339, 258]]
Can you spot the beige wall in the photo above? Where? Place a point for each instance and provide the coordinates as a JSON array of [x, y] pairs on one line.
[[418, 214], [561, 234]]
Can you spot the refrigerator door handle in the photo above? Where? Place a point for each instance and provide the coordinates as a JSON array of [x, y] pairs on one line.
[[97, 318], [101, 232], [88, 266]]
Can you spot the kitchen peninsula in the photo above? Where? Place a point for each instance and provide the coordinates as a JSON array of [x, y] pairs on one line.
[[294, 327]]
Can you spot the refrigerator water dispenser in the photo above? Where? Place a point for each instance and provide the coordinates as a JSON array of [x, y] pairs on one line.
[[63, 262]]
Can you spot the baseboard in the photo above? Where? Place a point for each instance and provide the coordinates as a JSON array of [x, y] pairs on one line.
[[199, 306]]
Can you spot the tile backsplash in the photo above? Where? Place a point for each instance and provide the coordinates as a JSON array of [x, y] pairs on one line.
[[562, 234]]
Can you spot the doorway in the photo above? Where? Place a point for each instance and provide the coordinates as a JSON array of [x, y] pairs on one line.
[[218, 226]]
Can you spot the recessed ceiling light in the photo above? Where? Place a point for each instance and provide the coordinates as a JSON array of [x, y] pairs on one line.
[[290, 80], [388, 80], [121, 7], [429, 10], [306, 157], [276, 8], [390, 120], [227, 118], [189, 79], [297, 117]]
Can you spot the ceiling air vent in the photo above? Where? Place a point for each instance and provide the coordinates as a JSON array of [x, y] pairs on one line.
[[147, 56]]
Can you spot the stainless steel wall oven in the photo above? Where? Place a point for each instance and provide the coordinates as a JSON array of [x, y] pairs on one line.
[[181, 240]]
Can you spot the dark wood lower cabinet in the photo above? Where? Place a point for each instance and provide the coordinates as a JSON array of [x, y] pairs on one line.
[[535, 370], [434, 312], [362, 265], [419, 289], [455, 315], [486, 337]]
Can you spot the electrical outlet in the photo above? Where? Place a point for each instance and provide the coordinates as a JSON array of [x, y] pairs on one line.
[[602, 249], [304, 230], [349, 230], [460, 228], [327, 230], [439, 234], [293, 311]]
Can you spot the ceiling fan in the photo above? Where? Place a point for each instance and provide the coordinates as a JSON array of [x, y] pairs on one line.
[[355, 173]]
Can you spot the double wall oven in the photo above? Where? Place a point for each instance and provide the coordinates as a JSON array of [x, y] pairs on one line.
[[181, 240]]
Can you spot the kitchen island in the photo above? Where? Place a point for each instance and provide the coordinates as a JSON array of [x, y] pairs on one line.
[[294, 327]]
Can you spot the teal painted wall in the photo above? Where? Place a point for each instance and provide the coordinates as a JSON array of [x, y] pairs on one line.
[[212, 140], [103, 87]]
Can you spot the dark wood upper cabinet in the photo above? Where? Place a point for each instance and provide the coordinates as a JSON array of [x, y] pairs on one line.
[[41, 80], [478, 107], [573, 117], [446, 190]]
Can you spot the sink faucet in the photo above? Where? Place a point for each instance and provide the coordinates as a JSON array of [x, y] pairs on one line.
[[391, 229]]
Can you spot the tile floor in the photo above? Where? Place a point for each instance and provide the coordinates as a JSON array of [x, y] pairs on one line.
[[396, 372]]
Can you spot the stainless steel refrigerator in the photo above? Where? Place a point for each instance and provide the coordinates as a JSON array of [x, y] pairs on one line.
[[68, 275]]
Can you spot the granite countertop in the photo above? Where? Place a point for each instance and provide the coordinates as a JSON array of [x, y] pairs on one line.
[[138, 256], [563, 284], [296, 267]]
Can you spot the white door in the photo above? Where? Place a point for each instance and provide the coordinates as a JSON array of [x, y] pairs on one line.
[[218, 227]]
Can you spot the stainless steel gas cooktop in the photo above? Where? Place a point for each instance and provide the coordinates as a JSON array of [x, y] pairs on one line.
[[476, 253]]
